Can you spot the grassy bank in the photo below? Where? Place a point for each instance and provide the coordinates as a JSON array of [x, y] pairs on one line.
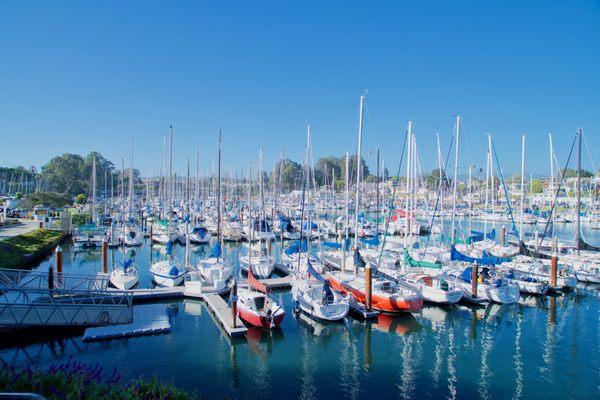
[[76, 380], [24, 250]]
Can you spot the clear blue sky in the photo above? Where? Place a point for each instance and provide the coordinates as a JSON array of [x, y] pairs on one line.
[[81, 76]]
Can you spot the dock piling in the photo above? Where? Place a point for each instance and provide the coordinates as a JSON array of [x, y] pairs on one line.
[[474, 273], [51, 278], [368, 284], [104, 257], [58, 253], [234, 302], [503, 236], [553, 264]]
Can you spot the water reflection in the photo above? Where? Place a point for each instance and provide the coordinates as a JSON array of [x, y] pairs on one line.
[[399, 324], [349, 367], [517, 359]]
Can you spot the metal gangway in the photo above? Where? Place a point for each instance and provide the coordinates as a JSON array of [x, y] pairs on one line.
[[24, 279], [35, 298]]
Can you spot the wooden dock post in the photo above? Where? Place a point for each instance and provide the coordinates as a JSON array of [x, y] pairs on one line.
[[234, 302], [41, 226], [553, 264], [503, 236], [474, 273], [51, 278], [58, 253], [104, 257], [368, 284]]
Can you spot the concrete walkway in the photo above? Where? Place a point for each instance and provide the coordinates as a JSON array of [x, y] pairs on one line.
[[15, 230]]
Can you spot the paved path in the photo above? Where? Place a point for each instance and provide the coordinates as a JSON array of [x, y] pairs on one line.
[[24, 227]]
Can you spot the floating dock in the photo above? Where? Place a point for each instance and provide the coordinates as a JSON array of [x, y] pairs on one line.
[[222, 311], [148, 320], [361, 311], [144, 295]]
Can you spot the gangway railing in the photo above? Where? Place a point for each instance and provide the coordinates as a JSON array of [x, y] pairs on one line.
[[24, 279], [20, 307]]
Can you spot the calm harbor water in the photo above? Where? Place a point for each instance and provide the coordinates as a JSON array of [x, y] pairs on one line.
[[542, 347]]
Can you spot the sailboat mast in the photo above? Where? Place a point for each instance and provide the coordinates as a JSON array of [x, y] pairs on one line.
[[377, 199], [455, 183], [130, 208], [441, 179], [522, 186], [408, 170], [93, 213], [358, 165], [487, 194], [219, 193], [347, 183], [551, 180], [578, 194]]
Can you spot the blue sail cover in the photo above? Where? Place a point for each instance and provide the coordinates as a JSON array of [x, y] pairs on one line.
[[216, 250], [358, 260], [312, 272], [374, 241], [285, 224], [456, 255], [296, 247], [477, 236], [169, 248], [200, 231], [261, 225], [494, 259], [126, 264], [466, 274], [312, 225], [333, 245]]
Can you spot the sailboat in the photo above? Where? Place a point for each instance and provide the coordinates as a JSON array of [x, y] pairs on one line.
[[256, 308], [386, 295], [132, 234], [126, 276], [213, 273], [261, 263], [314, 296], [169, 272]]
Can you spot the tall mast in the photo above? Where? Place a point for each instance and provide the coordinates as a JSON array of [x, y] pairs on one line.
[[219, 194], [170, 179], [441, 178], [551, 181], [131, 183], [455, 179], [358, 165], [492, 182], [377, 199], [578, 193], [487, 194], [408, 169], [347, 183], [93, 213], [522, 186]]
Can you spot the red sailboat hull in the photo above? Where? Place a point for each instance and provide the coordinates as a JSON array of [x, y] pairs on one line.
[[387, 303], [264, 322]]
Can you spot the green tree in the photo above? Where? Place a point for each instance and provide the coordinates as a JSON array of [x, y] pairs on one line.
[[572, 173], [80, 198], [291, 174], [433, 180], [537, 186], [48, 199], [66, 174]]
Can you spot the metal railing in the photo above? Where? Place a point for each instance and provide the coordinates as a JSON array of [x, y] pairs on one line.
[[23, 279], [64, 307]]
